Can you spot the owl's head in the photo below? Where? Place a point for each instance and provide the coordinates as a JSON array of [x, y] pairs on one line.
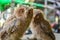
[[23, 11], [38, 16]]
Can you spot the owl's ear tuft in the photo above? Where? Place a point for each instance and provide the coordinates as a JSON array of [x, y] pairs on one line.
[[30, 12]]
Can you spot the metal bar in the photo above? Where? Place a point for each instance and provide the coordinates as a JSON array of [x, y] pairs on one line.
[[45, 10]]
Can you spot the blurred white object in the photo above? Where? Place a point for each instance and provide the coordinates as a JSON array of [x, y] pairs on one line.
[[1, 22], [9, 10], [26, 1], [6, 13]]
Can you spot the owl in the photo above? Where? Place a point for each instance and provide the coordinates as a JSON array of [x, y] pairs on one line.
[[16, 25], [40, 27]]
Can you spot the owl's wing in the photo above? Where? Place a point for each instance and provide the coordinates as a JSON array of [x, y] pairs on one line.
[[47, 29], [9, 26]]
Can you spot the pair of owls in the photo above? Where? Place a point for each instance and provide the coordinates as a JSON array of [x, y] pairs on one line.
[[15, 26]]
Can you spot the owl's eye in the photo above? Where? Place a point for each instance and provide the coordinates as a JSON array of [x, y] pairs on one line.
[[22, 11], [37, 17]]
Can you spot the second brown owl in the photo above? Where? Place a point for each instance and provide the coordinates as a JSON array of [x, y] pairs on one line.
[[40, 27]]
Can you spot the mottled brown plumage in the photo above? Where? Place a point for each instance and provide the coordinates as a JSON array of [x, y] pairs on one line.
[[40, 27], [15, 26]]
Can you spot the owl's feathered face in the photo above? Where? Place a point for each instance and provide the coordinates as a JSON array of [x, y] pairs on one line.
[[39, 17], [22, 11], [19, 11]]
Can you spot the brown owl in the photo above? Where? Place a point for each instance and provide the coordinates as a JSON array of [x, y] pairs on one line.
[[15, 26], [40, 27]]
